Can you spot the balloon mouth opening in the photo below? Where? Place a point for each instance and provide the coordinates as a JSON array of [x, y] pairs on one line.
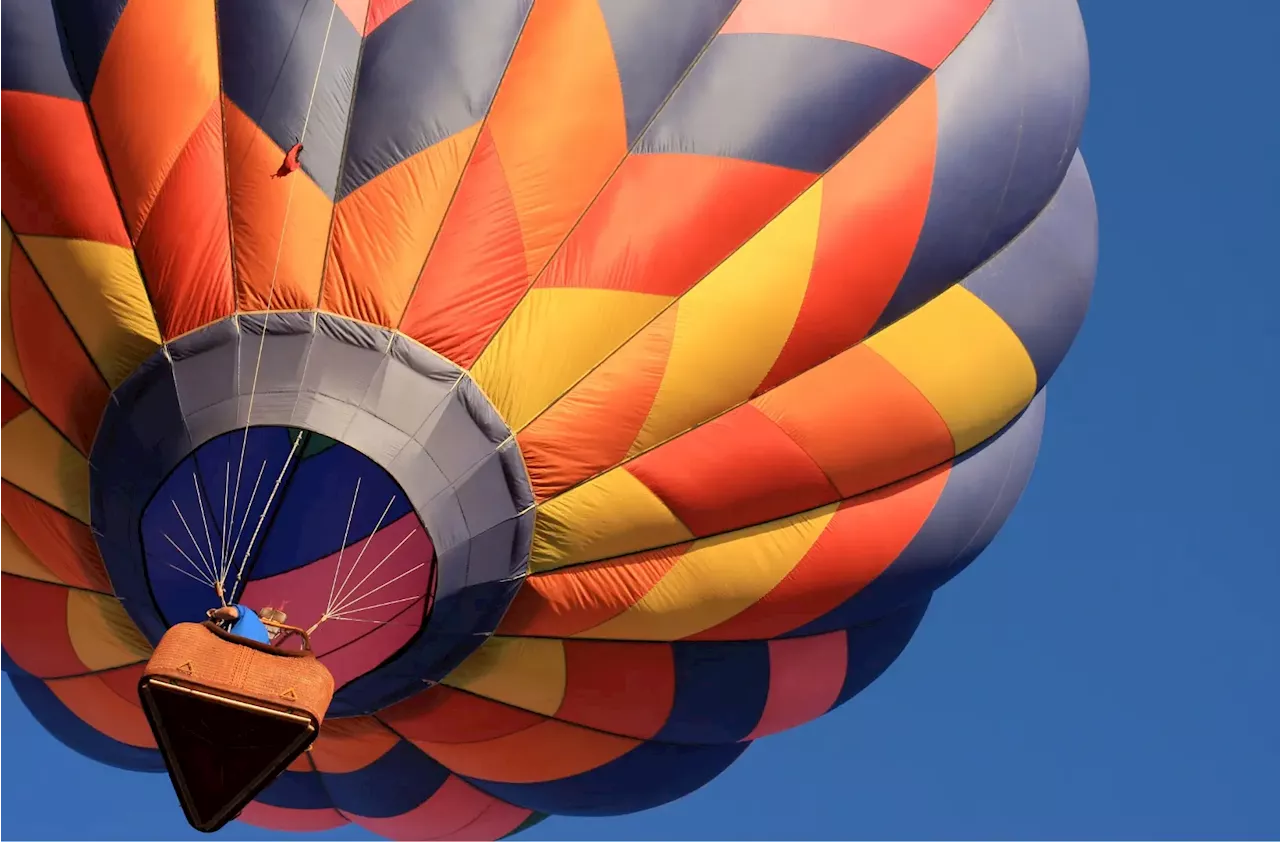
[[305, 460]]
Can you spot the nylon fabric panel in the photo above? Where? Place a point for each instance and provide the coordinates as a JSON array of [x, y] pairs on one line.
[[383, 231], [717, 361], [31, 55], [269, 275], [42, 463], [291, 819], [35, 630], [99, 701], [721, 690], [275, 53], [654, 44], [426, 72], [88, 26], [457, 810], [1040, 285], [99, 290], [184, 247], [924, 31], [347, 745], [10, 364], [965, 360], [567, 331], [716, 579], [980, 492], [101, 632], [619, 686], [172, 53], [58, 377], [70, 730], [527, 673], [475, 271], [40, 194], [1011, 104], [606, 518], [805, 678], [873, 207], [63, 545]]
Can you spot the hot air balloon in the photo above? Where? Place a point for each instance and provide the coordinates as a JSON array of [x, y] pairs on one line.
[[606, 383]]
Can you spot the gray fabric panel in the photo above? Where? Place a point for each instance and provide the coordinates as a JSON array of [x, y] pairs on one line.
[[375, 438], [517, 475], [322, 414], [484, 495], [419, 476], [339, 370], [501, 552], [1041, 284], [453, 440], [356, 334], [486, 417], [424, 362], [445, 522], [451, 571], [402, 396], [205, 366], [284, 360]]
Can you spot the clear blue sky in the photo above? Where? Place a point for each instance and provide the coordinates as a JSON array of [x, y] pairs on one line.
[[1110, 667]]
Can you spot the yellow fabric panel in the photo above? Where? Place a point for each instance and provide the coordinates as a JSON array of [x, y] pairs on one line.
[[100, 291], [41, 462], [965, 360], [16, 558], [526, 672], [731, 326], [614, 514], [717, 579], [8, 349], [102, 633], [555, 336]]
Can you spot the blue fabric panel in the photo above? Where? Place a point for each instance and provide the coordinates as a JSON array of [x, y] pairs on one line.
[[71, 730], [297, 790], [34, 54], [789, 100], [721, 690], [876, 645], [1011, 102], [1041, 284], [500, 552], [270, 53], [979, 495], [647, 776], [654, 43], [312, 516], [88, 26], [392, 785], [426, 73]]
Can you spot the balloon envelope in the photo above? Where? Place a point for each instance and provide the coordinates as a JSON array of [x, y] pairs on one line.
[[614, 381]]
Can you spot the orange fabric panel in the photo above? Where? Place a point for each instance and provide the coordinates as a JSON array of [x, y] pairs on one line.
[[924, 31], [441, 714], [475, 272], [379, 11], [564, 602], [33, 623], [348, 745], [457, 810], [666, 220], [591, 428], [547, 751], [184, 248], [558, 121], [258, 220], [62, 544], [873, 206], [862, 539], [102, 707], [806, 675], [620, 687], [738, 470], [861, 420], [157, 79], [51, 177], [61, 380], [383, 231]]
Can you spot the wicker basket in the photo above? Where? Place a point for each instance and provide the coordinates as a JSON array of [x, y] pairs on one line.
[[230, 714]]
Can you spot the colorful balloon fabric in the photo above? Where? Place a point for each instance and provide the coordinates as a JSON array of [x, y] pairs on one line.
[[617, 379]]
